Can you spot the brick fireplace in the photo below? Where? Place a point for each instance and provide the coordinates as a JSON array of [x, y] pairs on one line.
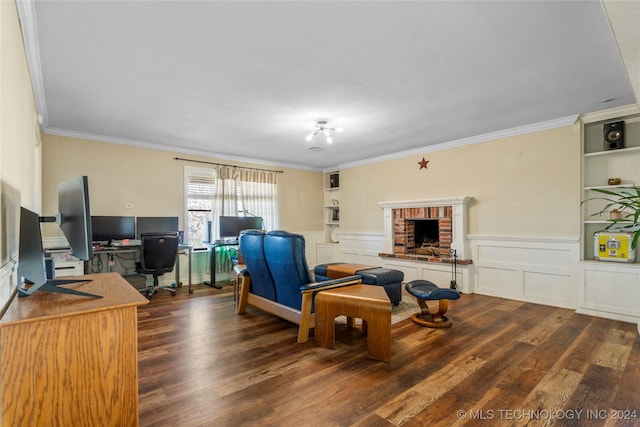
[[407, 222], [404, 218]]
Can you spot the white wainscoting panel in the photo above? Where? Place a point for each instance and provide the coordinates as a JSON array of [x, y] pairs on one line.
[[610, 290], [537, 270], [363, 248], [8, 283]]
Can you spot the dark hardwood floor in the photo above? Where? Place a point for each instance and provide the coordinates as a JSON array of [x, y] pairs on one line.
[[502, 363]]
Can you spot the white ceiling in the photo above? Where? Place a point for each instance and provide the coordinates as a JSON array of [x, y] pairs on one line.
[[242, 79]]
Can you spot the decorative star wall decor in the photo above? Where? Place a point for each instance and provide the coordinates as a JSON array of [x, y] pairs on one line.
[[423, 163]]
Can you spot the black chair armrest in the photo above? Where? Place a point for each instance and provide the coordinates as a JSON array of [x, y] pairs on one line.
[[328, 284]]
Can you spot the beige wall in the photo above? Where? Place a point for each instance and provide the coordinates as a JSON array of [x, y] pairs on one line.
[[19, 145], [153, 182], [526, 185]]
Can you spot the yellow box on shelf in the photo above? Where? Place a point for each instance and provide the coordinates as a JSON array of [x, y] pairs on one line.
[[613, 246]]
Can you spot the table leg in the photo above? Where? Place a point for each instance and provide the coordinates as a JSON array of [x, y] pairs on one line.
[[324, 329], [189, 263], [379, 336], [177, 269], [212, 268]]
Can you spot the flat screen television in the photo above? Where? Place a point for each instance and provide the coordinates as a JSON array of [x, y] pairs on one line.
[[107, 228], [156, 224], [231, 226]]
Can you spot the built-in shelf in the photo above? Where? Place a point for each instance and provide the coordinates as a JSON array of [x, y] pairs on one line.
[[612, 152], [602, 279], [603, 221], [331, 206], [611, 187]]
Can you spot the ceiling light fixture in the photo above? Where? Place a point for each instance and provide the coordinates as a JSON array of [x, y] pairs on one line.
[[321, 126]]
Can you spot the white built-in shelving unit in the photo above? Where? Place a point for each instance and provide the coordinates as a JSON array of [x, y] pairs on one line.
[[607, 288], [327, 250]]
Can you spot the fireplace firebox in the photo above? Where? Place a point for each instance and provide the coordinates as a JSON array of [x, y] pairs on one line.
[[423, 231]]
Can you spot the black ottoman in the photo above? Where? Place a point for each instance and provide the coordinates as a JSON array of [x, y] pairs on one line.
[[424, 291], [390, 280]]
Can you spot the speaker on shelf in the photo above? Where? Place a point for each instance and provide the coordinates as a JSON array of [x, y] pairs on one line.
[[614, 135]]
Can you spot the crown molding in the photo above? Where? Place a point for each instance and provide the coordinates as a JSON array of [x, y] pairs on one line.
[[610, 113], [506, 133], [27, 15], [162, 147]]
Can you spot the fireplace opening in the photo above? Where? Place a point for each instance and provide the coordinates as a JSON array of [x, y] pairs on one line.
[[426, 237]]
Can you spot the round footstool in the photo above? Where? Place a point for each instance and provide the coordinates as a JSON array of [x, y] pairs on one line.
[[425, 291]]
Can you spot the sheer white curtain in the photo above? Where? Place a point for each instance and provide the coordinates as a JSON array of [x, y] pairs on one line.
[[225, 197], [258, 193], [245, 192]]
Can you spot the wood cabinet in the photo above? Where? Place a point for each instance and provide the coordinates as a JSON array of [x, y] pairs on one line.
[[67, 360]]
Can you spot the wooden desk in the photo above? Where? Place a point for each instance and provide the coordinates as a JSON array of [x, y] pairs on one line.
[[67, 360]]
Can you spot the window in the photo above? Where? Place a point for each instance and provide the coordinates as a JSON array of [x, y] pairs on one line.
[[200, 186], [207, 196]]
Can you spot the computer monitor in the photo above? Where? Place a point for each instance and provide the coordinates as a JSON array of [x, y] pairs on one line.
[[154, 224], [107, 228], [74, 219], [31, 264], [74, 215], [231, 226], [32, 271]]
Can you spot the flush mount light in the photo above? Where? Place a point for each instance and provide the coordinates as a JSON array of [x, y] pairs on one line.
[[322, 127]]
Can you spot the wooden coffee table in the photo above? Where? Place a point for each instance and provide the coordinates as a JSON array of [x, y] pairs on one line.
[[366, 302]]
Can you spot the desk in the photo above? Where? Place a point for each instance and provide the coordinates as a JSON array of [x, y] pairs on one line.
[[120, 250], [212, 260], [70, 360]]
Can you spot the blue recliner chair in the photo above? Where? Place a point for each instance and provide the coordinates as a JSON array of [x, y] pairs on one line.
[[276, 278]]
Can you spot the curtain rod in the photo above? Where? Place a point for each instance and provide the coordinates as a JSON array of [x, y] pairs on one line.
[[225, 164]]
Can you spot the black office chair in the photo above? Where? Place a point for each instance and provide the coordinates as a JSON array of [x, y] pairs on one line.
[[158, 256]]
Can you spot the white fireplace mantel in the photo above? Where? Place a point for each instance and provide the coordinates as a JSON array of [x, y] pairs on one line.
[[459, 220], [443, 201]]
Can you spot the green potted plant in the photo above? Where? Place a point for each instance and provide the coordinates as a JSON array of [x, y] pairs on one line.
[[626, 204]]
